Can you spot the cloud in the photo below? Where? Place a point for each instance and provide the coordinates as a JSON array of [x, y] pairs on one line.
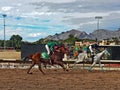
[[55, 1], [33, 19], [6, 8], [34, 13], [35, 34]]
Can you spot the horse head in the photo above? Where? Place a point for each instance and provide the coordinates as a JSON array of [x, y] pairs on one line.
[[106, 52], [63, 50]]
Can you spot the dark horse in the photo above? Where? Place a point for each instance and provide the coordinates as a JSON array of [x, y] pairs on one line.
[[56, 57]]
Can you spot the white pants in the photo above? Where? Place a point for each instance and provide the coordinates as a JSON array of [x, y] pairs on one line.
[[47, 48], [90, 48]]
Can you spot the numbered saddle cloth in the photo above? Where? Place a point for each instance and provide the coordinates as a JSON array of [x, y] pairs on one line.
[[44, 55]]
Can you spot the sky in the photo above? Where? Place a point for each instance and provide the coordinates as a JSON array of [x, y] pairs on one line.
[[36, 19]]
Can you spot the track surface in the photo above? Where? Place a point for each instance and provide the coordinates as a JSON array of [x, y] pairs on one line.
[[75, 79]]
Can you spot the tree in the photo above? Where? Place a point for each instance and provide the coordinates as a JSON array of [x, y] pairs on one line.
[[1, 43], [40, 41], [16, 41], [71, 36], [71, 39]]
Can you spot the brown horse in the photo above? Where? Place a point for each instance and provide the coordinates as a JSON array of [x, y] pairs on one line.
[[35, 60], [55, 58]]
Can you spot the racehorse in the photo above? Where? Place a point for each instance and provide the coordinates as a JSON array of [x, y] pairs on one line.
[[82, 57], [55, 58], [97, 58]]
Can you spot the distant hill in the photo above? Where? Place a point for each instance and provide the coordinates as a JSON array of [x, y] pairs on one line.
[[99, 34], [104, 34]]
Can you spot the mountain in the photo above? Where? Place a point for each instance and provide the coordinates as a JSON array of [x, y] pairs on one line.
[[104, 34], [97, 34], [65, 35]]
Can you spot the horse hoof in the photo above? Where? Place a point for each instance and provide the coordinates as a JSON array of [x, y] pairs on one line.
[[103, 71], [89, 70], [29, 73], [43, 73], [55, 69], [67, 70]]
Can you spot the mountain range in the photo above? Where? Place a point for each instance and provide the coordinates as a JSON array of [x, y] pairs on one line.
[[97, 34]]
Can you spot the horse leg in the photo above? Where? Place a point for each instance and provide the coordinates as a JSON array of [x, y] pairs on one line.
[[39, 67], [62, 65], [101, 66], [45, 65], [74, 64], [92, 66], [28, 72]]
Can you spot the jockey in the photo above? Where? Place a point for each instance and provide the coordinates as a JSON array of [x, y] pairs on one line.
[[76, 49], [91, 47], [50, 46]]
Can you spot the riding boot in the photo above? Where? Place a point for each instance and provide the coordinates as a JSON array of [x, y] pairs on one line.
[[92, 58], [51, 62]]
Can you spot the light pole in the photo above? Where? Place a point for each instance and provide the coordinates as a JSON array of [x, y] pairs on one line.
[[4, 16], [98, 17]]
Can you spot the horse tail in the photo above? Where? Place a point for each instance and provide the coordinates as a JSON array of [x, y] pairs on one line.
[[24, 59], [27, 57]]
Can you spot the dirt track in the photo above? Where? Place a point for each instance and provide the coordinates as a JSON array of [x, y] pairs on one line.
[[16, 79]]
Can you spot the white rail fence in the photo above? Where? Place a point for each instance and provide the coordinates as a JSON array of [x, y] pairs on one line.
[[12, 64]]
